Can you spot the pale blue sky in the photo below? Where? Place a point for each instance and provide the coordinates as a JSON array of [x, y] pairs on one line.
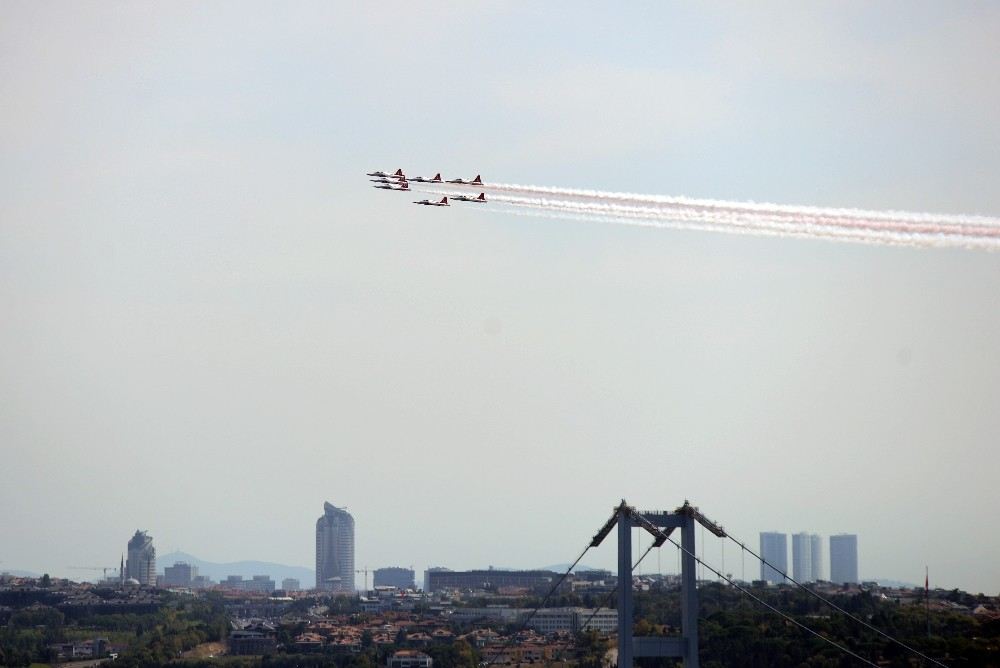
[[213, 324]]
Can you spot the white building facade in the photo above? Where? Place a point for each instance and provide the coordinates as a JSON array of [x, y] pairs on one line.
[[141, 563], [774, 550], [844, 559], [572, 620], [335, 550], [818, 572], [802, 557]]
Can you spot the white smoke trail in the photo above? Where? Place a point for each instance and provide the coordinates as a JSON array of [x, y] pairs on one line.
[[760, 207], [877, 231], [761, 227], [679, 225], [883, 227]]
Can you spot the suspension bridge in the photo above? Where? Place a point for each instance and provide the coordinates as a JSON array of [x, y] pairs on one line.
[[661, 525]]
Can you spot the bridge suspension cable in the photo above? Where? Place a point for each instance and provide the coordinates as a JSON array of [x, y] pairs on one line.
[[837, 607], [611, 594], [721, 533], [772, 608], [545, 600]]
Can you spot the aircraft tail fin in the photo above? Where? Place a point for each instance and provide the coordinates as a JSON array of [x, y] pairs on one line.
[[477, 180], [437, 177], [444, 200], [482, 196], [398, 172]]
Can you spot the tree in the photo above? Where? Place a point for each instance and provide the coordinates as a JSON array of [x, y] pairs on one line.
[[46, 581], [592, 648], [35, 616]]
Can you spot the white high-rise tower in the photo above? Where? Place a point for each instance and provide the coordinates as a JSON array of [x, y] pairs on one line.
[[802, 557], [774, 549], [844, 559], [141, 564], [335, 550], [817, 558]]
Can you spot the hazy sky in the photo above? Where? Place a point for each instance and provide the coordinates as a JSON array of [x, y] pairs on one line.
[[212, 324]]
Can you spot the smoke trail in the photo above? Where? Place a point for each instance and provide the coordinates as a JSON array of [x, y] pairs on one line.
[[880, 231], [771, 209], [683, 225], [883, 227], [756, 227]]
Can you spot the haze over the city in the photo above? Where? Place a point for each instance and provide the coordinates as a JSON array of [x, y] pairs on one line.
[[212, 324]]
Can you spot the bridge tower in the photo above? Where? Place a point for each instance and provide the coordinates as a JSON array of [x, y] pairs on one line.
[[660, 524]]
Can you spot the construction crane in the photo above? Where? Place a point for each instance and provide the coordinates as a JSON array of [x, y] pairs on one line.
[[365, 571], [105, 569]]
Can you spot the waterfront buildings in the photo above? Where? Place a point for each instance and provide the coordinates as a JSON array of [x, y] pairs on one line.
[[436, 580], [335, 550], [844, 559], [290, 584], [433, 569], [141, 564], [573, 620], [544, 620], [394, 576], [774, 550]]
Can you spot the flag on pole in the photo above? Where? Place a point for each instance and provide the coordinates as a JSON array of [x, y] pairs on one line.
[[927, 599]]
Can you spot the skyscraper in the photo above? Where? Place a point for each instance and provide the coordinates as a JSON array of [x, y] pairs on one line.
[[844, 558], [802, 557], [181, 574], [817, 558], [774, 550], [335, 550], [141, 563]]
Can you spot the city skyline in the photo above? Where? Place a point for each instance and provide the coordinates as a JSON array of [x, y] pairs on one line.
[[213, 322], [334, 530]]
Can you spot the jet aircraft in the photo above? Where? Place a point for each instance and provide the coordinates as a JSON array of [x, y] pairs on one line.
[[398, 174], [427, 202], [420, 179], [401, 185], [474, 182], [465, 198]]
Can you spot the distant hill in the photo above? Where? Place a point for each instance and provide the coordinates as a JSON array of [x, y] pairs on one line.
[[20, 574], [217, 571], [896, 584]]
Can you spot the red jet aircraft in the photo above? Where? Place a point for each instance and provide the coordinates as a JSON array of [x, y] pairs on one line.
[[420, 179], [465, 198], [474, 182], [427, 202]]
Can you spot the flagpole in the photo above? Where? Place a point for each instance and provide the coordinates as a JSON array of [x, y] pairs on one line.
[[927, 599]]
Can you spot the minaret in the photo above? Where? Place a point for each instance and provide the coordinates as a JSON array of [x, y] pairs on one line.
[[121, 572]]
